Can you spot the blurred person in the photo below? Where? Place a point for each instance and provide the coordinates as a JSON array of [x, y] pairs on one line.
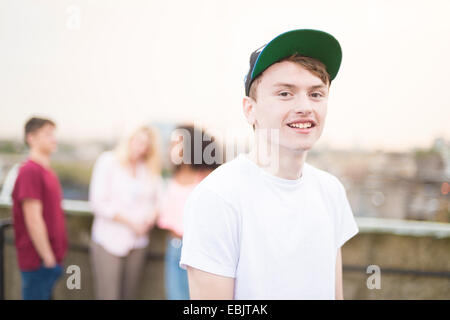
[[273, 229], [187, 175], [39, 224], [123, 194]]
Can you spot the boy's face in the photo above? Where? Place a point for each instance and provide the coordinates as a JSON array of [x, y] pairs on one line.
[[287, 94], [43, 139]]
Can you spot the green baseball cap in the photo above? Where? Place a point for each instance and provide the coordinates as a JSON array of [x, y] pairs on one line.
[[311, 43]]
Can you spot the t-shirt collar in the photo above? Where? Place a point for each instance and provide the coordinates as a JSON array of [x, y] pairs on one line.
[[274, 178]]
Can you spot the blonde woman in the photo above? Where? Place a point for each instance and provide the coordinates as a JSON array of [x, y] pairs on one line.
[[123, 194]]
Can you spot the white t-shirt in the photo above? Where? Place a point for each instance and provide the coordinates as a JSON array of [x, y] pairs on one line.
[[277, 237]]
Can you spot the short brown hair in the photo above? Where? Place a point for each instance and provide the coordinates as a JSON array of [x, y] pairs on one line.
[[34, 124], [312, 65]]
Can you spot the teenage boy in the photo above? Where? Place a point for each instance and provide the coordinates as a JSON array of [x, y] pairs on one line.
[[39, 227], [254, 231]]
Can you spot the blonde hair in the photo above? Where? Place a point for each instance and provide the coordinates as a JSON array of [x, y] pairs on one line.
[[152, 158]]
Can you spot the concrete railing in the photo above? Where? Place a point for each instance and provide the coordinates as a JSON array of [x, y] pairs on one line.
[[413, 256], [365, 224]]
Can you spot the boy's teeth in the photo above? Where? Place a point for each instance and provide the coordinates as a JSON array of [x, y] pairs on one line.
[[300, 125]]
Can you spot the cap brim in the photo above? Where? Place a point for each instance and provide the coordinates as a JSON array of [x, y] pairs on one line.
[[306, 42]]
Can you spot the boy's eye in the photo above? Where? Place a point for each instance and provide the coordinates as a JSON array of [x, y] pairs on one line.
[[284, 94], [316, 95]]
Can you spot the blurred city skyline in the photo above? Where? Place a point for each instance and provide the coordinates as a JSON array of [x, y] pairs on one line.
[[99, 68]]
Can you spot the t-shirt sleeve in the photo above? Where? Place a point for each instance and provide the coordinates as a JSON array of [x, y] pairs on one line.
[[211, 234], [29, 185], [346, 225]]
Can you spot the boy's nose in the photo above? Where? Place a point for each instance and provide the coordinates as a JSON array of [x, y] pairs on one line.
[[303, 105]]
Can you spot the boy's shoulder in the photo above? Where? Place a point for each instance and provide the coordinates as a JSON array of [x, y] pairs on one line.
[[29, 167], [229, 178], [328, 184], [229, 172]]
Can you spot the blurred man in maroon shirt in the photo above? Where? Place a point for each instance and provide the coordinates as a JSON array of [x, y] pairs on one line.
[[39, 227]]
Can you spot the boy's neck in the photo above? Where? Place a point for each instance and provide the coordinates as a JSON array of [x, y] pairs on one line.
[[40, 158], [287, 165]]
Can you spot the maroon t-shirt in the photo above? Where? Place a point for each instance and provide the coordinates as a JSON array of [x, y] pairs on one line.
[[36, 182]]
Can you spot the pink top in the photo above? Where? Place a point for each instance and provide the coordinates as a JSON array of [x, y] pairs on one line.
[[172, 205], [113, 190]]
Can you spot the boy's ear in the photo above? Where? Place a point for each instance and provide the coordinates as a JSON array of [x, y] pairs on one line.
[[29, 139], [248, 106]]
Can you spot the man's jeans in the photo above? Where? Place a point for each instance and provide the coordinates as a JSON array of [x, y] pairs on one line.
[[177, 287], [38, 284]]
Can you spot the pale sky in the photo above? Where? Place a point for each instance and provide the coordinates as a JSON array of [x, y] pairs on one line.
[[97, 67]]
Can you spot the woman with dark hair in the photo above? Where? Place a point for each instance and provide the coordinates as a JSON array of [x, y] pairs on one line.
[[190, 167]]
